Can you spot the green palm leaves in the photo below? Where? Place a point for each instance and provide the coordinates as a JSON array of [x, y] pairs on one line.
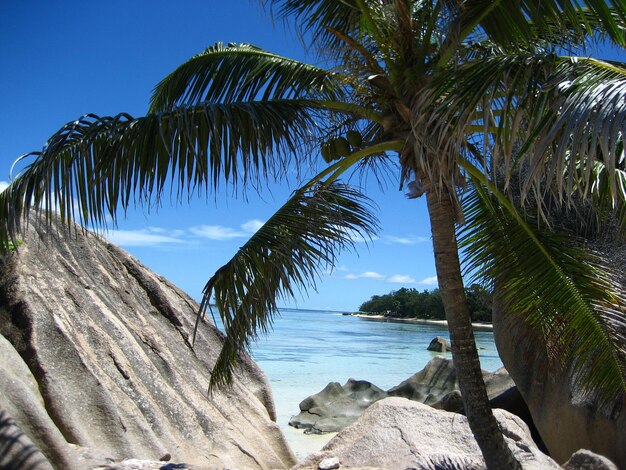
[[241, 73], [96, 165], [556, 285], [281, 260]]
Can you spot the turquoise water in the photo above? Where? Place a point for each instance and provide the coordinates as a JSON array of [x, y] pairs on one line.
[[308, 349]]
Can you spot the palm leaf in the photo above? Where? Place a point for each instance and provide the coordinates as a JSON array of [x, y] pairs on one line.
[[241, 72], [542, 114], [559, 288], [316, 18], [511, 22], [584, 123], [281, 260], [609, 206], [95, 165]]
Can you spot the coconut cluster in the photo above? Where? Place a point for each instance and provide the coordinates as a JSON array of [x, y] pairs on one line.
[[339, 147]]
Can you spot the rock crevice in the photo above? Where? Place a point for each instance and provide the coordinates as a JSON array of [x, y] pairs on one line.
[[101, 367]]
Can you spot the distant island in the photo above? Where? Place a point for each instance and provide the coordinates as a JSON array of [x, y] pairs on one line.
[[408, 303]]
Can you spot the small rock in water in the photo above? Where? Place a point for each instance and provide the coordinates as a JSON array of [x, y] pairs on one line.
[[328, 464], [439, 344]]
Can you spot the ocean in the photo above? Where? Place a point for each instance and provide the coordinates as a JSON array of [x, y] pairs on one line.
[[307, 349]]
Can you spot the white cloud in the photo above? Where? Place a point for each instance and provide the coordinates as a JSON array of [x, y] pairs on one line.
[[331, 270], [429, 281], [146, 237], [401, 279], [365, 275], [356, 237], [405, 240], [219, 232], [216, 232], [3, 185], [252, 226]]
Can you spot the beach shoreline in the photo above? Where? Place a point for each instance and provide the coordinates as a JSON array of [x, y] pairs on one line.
[[420, 321]]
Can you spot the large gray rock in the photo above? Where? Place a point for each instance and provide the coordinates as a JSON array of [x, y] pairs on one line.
[[96, 361], [399, 433], [566, 418], [338, 406], [438, 378]]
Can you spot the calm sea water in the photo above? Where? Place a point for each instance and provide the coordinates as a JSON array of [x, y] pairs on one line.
[[308, 349]]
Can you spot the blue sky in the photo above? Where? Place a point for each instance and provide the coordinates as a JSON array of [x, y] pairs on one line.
[[60, 60]]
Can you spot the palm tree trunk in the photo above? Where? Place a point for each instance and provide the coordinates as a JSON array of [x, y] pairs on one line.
[[464, 354]]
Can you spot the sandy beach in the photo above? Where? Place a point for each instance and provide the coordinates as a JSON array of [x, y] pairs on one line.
[[420, 321]]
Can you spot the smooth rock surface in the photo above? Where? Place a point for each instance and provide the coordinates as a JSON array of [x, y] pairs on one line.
[[566, 419], [338, 406], [396, 433], [439, 344], [330, 463], [96, 364], [584, 459], [17, 451], [136, 464]]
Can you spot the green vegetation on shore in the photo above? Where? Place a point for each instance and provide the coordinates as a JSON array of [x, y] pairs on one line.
[[411, 303]]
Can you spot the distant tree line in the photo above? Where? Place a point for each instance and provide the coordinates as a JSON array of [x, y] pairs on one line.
[[411, 303]]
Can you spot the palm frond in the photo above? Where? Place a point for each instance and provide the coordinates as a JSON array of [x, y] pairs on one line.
[[316, 18], [283, 258], [558, 287], [511, 22], [584, 122], [610, 205], [95, 165], [542, 114], [241, 72]]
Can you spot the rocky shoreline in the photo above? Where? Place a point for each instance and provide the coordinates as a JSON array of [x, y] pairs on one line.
[[97, 372], [420, 321]]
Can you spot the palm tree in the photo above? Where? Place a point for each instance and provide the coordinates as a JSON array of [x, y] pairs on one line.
[[400, 89]]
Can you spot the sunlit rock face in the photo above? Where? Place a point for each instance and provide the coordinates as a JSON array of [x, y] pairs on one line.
[[566, 418], [400, 433], [338, 406], [97, 363]]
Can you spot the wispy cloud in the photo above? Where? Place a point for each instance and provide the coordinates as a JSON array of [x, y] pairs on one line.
[[252, 226], [331, 270], [356, 237], [3, 185], [219, 232], [365, 275], [401, 279], [394, 278], [429, 281], [216, 232], [151, 236], [405, 240]]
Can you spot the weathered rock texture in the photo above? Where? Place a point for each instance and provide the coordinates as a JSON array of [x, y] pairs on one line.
[[566, 419], [96, 360], [16, 449], [398, 433], [338, 406]]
